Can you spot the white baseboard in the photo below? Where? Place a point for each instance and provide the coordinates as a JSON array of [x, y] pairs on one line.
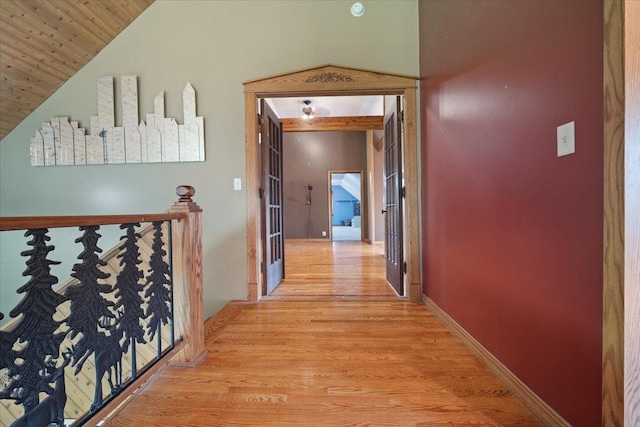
[[532, 401]]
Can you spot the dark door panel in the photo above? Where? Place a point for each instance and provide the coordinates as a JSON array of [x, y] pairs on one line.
[[272, 200], [393, 200]]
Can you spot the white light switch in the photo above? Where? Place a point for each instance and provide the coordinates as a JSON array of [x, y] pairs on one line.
[[566, 139], [237, 184]]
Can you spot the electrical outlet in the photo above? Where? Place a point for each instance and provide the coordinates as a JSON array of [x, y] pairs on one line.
[[324, 234]]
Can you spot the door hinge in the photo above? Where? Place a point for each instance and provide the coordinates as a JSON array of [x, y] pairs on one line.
[[401, 116], [403, 192], [261, 192], [404, 267], [262, 267], [260, 122]]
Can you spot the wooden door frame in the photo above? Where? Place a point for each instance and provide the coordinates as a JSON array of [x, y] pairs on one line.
[[363, 222], [621, 299], [339, 81]]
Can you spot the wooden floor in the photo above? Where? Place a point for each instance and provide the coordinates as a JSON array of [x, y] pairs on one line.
[[338, 269], [312, 358]]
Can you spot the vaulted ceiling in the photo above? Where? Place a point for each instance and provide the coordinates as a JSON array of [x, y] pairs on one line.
[[45, 42]]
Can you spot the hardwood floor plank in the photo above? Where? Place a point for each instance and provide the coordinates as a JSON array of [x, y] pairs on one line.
[[323, 268], [328, 362]]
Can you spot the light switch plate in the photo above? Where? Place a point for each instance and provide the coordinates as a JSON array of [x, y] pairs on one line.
[[237, 184], [566, 135]]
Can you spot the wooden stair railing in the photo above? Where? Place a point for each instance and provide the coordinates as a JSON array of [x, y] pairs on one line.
[[185, 259]]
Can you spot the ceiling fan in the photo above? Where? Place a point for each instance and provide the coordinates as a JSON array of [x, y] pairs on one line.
[[309, 112]]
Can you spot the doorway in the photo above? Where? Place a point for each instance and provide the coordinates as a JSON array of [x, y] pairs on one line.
[[322, 81], [345, 205]]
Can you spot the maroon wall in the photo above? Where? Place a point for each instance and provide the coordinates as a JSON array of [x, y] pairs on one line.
[[512, 246], [307, 159]]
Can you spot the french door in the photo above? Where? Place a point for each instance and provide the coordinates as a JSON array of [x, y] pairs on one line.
[[272, 201]]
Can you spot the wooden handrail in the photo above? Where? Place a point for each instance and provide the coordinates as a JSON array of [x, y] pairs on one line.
[[28, 222]]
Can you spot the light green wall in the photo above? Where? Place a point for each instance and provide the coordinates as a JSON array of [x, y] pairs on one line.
[[215, 45]]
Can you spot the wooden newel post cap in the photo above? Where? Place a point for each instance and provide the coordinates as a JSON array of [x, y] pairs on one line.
[[185, 192]]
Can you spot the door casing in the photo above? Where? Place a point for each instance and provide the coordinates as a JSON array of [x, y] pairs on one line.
[[339, 81]]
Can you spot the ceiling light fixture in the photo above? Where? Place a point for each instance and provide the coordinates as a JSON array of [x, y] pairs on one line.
[[357, 9], [307, 111]]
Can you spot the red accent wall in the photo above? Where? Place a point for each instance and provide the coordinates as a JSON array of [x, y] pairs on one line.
[[512, 242]]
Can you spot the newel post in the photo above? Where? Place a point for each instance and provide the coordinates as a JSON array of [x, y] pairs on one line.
[[187, 277]]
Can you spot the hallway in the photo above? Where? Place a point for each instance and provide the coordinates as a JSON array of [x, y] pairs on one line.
[[316, 268], [315, 356]]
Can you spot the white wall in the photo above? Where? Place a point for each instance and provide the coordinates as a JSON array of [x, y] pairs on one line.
[[215, 45]]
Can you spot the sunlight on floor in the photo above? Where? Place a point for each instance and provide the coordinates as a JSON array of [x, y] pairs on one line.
[[340, 233]]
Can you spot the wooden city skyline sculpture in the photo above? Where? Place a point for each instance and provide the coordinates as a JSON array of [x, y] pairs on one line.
[[158, 139]]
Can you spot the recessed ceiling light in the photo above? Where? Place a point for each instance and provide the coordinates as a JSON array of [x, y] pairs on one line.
[[357, 9]]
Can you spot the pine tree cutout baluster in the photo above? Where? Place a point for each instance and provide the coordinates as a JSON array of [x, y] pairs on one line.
[[128, 292], [90, 311], [36, 328], [88, 306], [7, 359], [158, 287], [7, 356]]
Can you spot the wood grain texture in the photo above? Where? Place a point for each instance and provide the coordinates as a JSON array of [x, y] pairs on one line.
[[370, 186], [25, 222], [329, 363], [412, 199], [545, 414], [215, 324], [632, 215], [613, 284], [44, 42], [253, 171], [330, 79], [187, 281], [355, 123], [320, 268]]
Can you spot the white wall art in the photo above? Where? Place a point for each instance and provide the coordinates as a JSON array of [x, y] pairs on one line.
[[159, 139]]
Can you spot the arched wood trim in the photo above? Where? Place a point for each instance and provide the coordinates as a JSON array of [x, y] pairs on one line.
[[322, 81]]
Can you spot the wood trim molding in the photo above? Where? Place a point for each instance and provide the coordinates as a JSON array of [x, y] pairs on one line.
[[531, 400], [254, 224], [613, 256], [215, 324], [632, 215], [349, 81], [355, 123], [362, 83], [412, 198], [343, 73]]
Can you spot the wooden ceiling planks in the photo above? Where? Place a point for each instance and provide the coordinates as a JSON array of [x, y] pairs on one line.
[[45, 42]]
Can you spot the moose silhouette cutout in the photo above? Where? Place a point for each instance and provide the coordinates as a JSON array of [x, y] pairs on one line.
[[108, 359], [51, 409]]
